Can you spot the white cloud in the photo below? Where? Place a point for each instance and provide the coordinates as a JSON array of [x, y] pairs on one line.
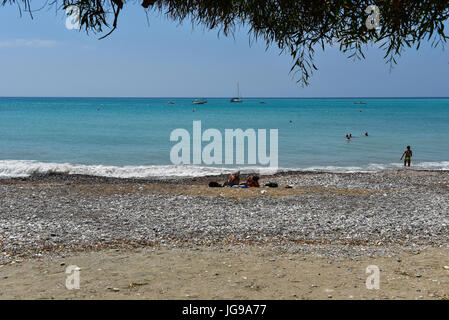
[[28, 43]]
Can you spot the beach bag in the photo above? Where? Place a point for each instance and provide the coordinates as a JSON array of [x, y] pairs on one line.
[[271, 184], [214, 184]]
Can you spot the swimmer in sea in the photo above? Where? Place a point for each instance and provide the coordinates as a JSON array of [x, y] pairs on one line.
[[408, 156]]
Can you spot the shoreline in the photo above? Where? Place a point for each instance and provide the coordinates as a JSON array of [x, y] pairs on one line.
[[89, 178], [26, 169]]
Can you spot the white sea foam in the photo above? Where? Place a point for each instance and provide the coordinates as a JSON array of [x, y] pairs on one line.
[[25, 168], [376, 167]]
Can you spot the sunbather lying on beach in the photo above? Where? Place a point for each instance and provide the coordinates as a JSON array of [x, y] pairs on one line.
[[253, 181], [233, 179]]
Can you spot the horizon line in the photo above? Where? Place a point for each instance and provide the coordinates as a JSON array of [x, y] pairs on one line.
[[205, 97]]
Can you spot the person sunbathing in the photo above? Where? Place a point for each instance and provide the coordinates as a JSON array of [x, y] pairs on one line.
[[252, 181], [233, 179]]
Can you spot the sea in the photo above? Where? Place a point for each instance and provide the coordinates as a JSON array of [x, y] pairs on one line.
[[130, 137]]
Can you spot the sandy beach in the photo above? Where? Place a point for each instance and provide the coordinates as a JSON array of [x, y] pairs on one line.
[[180, 239]]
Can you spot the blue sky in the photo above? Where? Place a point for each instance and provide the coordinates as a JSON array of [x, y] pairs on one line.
[[40, 57]]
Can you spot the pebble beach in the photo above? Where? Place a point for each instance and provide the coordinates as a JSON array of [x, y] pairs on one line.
[[61, 212]]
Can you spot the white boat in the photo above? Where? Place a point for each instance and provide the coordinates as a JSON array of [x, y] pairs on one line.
[[237, 99], [202, 101]]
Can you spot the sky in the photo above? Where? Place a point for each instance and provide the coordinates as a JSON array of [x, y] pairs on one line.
[[41, 57]]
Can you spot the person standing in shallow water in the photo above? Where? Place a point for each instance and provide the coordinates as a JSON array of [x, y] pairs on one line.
[[408, 156]]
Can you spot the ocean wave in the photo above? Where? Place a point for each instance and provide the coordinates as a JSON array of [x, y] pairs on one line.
[[25, 168]]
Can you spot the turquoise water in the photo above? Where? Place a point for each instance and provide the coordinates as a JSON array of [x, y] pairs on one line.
[[130, 136]]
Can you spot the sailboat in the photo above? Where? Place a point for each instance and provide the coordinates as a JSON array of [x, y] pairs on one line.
[[237, 99]]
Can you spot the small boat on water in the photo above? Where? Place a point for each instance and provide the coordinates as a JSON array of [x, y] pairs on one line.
[[199, 101], [170, 102], [359, 102], [237, 99], [262, 102]]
